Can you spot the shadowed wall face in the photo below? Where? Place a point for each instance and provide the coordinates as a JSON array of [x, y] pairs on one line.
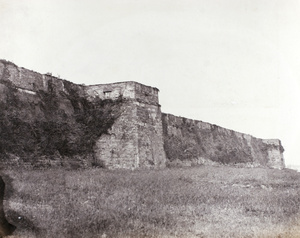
[[196, 141]]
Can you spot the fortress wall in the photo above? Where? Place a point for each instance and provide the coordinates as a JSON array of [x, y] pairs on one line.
[[150, 137], [22, 78], [28, 81], [111, 91], [128, 90], [32, 87], [138, 135], [146, 94], [198, 142], [135, 139], [119, 147], [275, 153]]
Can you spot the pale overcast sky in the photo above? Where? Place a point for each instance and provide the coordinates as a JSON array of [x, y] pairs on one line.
[[234, 63]]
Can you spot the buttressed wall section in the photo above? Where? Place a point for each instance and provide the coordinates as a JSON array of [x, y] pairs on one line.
[[127, 130], [128, 135], [135, 139]]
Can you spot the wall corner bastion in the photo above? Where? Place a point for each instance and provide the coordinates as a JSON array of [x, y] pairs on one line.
[[135, 139]]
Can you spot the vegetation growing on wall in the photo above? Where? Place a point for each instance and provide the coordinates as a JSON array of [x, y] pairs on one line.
[[53, 123], [191, 143]]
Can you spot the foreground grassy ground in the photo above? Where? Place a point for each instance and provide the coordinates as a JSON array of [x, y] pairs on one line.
[[189, 202]]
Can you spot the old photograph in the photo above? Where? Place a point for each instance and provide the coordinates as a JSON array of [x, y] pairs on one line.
[[149, 118]]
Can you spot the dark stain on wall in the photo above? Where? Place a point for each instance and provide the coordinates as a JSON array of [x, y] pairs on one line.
[[5, 227]]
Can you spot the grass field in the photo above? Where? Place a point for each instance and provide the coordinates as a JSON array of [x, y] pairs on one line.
[[207, 201]]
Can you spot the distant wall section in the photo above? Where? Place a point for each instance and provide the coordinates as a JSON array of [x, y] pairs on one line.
[[197, 142]]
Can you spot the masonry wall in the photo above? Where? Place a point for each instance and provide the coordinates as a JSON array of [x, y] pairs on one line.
[[46, 121], [31, 82], [150, 139], [31, 88], [119, 147], [128, 90], [111, 91], [135, 140], [197, 142], [42, 115]]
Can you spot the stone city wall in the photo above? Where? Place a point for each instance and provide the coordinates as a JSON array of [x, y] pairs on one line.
[[135, 140], [31, 82], [128, 90], [197, 142], [123, 122]]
